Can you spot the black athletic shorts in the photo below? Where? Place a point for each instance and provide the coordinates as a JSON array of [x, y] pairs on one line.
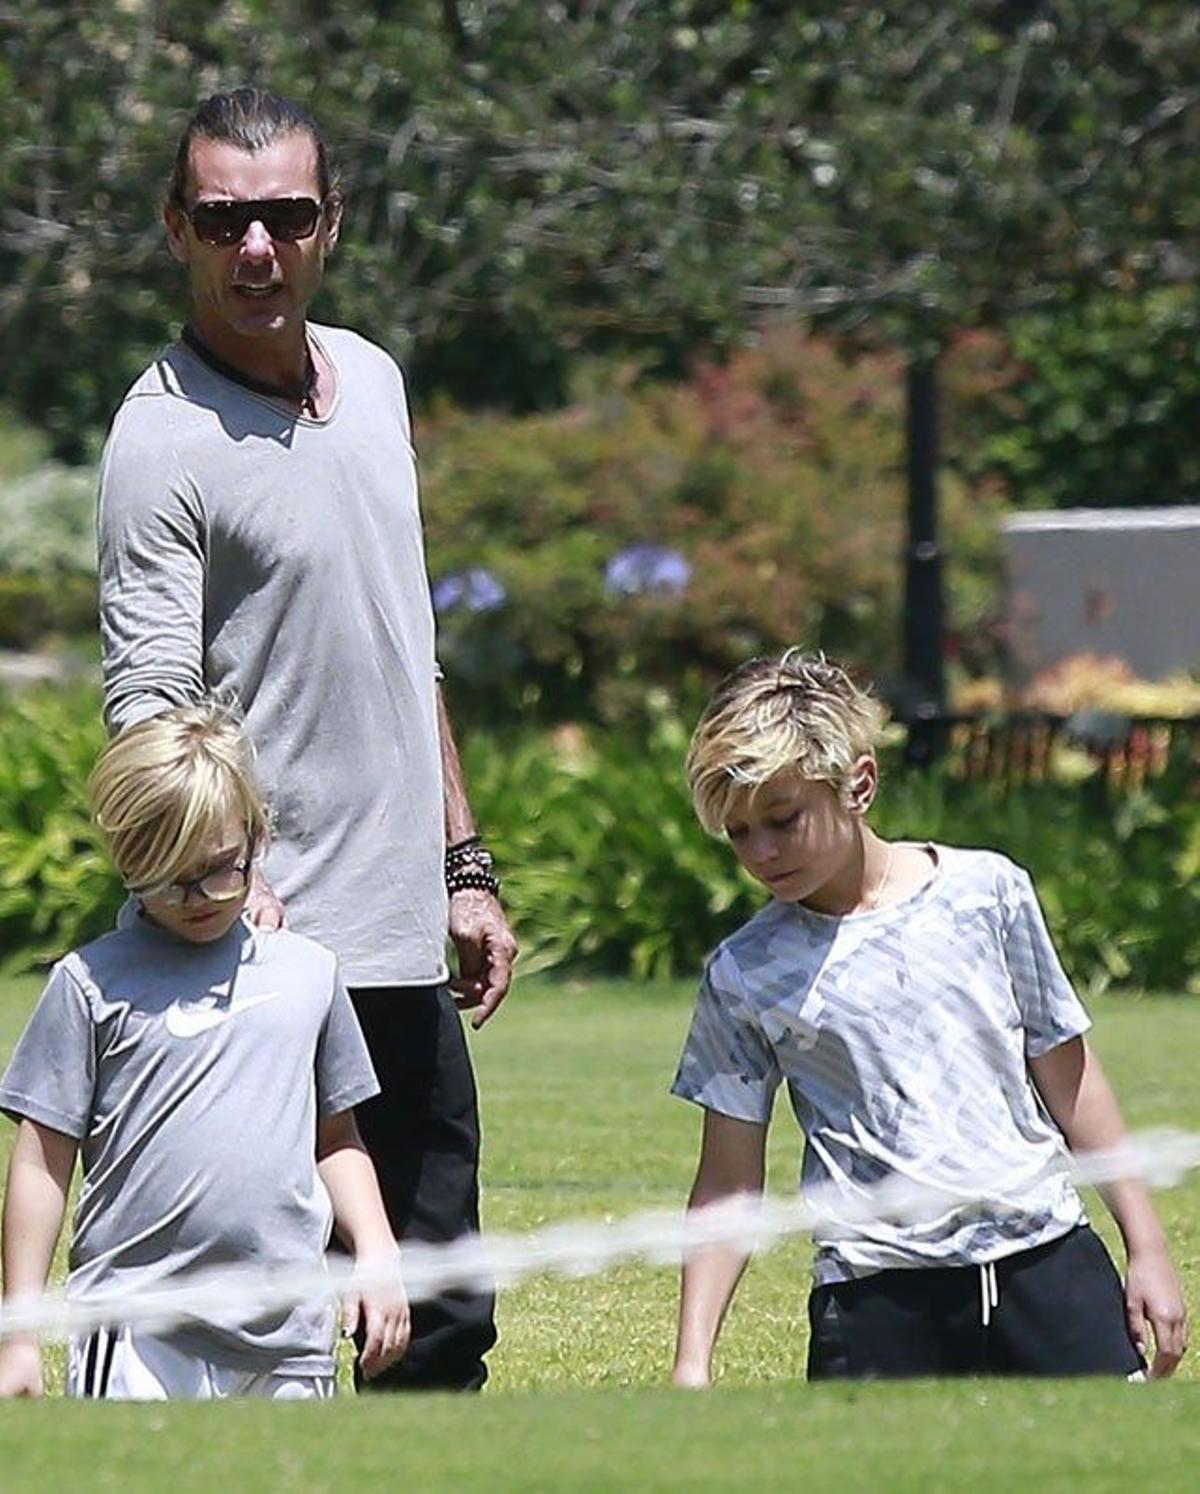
[[1058, 1309]]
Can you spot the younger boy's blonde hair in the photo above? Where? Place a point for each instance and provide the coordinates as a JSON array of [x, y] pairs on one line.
[[165, 786], [792, 713]]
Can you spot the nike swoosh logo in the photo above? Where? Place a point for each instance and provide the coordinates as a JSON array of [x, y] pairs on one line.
[[190, 1019]]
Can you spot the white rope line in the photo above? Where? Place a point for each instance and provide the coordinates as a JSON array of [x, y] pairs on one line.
[[244, 1293]]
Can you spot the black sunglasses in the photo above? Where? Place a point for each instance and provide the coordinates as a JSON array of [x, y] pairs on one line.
[[219, 884], [285, 218]]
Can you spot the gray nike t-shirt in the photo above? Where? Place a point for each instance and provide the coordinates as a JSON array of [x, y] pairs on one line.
[[192, 1076], [903, 1036]]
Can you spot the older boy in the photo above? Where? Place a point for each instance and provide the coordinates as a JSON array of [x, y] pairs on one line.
[[191, 1060], [910, 998]]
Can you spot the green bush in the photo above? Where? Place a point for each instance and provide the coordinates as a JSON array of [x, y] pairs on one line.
[[35, 607], [56, 886], [47, 542], [606, 869], [604, 865], [776, 478], [1099, 408], [49, 518]]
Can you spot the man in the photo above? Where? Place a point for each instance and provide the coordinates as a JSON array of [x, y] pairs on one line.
[[260, 539]]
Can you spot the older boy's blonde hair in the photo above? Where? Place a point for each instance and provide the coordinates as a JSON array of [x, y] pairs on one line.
[[793, 713], [167, 785]]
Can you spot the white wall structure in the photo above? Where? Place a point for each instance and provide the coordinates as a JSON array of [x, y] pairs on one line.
[[1123, 582]]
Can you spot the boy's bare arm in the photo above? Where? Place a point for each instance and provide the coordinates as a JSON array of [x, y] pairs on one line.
[[732, 1161], [1078, 1095], [35, 1201], [349, 1175]]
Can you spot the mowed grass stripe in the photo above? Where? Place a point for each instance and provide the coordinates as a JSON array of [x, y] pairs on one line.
[[930, 1438]]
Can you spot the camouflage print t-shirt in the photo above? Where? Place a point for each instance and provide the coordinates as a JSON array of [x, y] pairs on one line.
[[902, 1034]]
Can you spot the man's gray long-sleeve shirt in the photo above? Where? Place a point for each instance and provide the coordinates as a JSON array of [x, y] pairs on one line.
[[277, 561]]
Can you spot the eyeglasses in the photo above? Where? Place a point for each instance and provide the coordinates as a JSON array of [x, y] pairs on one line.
[[287, 219], [220, 885]]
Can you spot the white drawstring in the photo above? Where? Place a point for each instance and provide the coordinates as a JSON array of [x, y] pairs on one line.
[[989, 1293]]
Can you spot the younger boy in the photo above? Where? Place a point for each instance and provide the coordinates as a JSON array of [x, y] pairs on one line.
[[910, 998], [191, 1060]]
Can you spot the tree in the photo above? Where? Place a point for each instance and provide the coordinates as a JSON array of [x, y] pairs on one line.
[[1100, 408], [529, 179]]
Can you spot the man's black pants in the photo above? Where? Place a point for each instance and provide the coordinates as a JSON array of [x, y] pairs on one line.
[[422, 1132], [1058, 1309]]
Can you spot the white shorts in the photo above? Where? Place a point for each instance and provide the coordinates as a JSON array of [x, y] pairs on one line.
[[120, 1364]]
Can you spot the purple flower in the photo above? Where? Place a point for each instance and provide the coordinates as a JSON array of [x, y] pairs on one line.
[[646, 567], [476, 590]]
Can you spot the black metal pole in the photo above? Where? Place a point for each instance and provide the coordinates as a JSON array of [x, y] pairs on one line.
[[923, 603]]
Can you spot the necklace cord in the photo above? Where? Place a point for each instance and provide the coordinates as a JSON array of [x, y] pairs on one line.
[[302, 391], [870, 900]]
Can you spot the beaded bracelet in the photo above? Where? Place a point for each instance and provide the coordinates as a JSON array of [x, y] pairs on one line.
[[463, 851], [469, 865]]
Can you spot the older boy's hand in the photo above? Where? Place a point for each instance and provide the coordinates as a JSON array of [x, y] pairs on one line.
[[1153, 1299], [383, 1316], [20, 1368]]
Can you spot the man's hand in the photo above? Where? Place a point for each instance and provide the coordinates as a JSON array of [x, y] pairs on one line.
[[20, 1368], [1153, 1299], [263, 908], [486, 951]]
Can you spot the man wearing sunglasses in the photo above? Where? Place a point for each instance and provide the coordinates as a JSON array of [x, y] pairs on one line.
[[260, 539]]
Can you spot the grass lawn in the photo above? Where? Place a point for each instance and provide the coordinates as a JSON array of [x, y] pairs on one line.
[[579, 1125]]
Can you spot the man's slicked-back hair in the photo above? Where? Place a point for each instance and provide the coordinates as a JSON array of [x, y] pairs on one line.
[[792, 713], [252, 119]]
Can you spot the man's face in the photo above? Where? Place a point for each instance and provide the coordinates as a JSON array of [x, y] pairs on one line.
[[260, 287]]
